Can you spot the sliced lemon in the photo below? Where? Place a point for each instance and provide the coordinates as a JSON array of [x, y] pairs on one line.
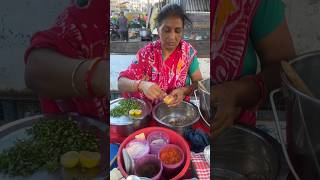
[[137, 112], [69, 159], [132, 112], [89, 159], [140, 136], [168, 99]]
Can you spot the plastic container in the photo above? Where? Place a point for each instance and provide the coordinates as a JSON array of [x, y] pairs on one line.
[[148, 166], [169, 170], [157, 140], [175, 138], [137, 148]]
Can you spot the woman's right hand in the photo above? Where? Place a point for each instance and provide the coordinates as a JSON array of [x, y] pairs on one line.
[[151, 90], [224, 97]]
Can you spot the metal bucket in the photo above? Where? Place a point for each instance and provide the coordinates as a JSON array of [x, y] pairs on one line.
[[203, 92], [303, 118], [244, 153]]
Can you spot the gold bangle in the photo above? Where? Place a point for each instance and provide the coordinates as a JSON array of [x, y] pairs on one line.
[[74, 72]]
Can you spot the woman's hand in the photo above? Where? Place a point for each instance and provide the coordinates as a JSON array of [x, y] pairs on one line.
[[151, 90], [178, 95], [224, 97]]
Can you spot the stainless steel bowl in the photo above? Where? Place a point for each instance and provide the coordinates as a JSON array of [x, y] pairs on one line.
[[125, 125], [241, 152], [178, 118]]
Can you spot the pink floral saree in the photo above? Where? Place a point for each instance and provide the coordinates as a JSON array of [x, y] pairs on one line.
[[230, 27]]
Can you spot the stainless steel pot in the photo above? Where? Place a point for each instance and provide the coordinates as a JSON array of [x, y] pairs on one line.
[[303, 115], [125, 125], [203, 94], [245, 153], [178, 118]]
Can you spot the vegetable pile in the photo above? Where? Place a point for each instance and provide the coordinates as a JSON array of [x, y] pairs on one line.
[[48, 140], [124, 107]]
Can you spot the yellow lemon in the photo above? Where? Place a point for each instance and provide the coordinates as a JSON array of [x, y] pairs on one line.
[[138, 112], [132, 112], [168, 99], [89, 159], [69, 159], [140, 136]]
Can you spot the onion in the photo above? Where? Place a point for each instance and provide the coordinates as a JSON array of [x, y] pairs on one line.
[[137, 148]]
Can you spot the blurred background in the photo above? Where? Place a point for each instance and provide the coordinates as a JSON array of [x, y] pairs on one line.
[[141, 16]]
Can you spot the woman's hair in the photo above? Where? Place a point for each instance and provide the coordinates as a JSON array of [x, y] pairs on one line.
[[170, 10]]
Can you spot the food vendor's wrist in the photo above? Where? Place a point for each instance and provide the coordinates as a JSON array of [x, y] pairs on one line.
[[258, 88], [228, 93], [186, 90], [99, 79], [75, 70], [244, 90], [139, 82], [79, 80], [139, 85]]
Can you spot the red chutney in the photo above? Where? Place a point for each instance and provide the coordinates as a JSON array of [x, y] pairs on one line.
[[170, 155]]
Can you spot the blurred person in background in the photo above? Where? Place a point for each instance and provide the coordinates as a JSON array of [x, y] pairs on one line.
[[123, 27]]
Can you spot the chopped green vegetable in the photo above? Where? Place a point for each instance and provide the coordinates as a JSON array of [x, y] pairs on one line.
[[124, 107], [49, 139]]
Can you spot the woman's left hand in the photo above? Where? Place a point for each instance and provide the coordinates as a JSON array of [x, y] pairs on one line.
[[178, 95]]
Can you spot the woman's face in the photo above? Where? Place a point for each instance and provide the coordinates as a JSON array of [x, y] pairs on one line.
[[170, 32]]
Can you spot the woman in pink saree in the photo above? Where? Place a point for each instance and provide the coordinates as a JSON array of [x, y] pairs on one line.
[[241, 31], [66, 63], [165, 66]]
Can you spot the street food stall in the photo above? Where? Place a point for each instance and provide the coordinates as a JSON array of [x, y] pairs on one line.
[[140, 131]]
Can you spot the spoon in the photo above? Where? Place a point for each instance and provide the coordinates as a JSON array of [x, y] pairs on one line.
[[296, 79]]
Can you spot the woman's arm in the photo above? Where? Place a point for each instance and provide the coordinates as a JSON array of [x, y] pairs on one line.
[[195, 77], [127, 85], [151, 90], [231, 97], [50, 75], [274, 48]]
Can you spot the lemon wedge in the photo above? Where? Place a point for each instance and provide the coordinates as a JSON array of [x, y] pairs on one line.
[[168, 99], [69, 159], [140, 136], [132, 112], [89, 159], [137, 112]]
